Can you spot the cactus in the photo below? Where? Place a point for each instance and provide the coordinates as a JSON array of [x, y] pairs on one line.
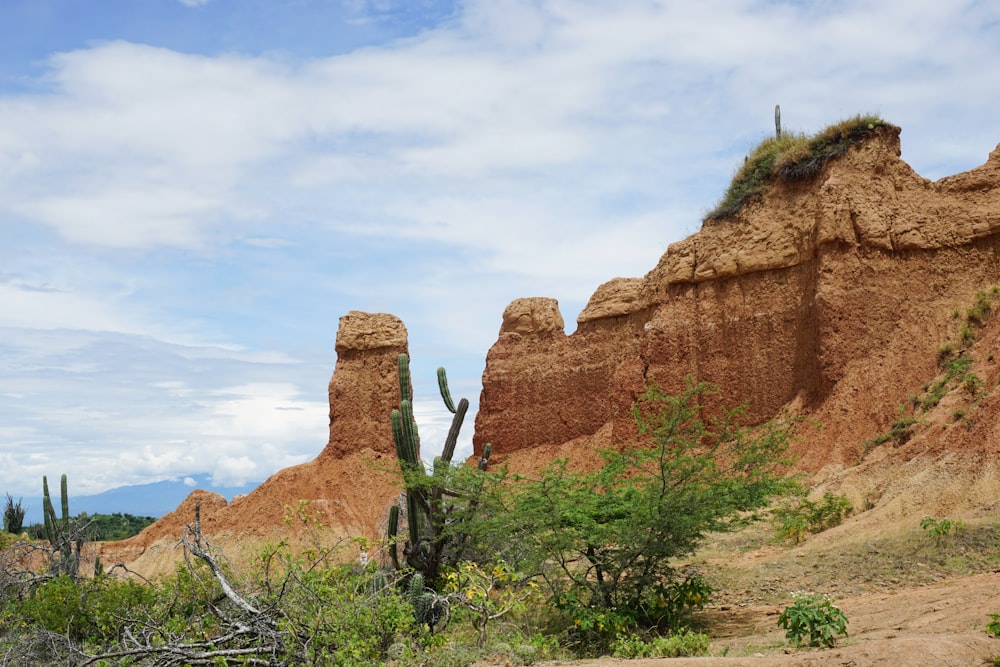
[[393, 532], [428, 501], [61, 532], [777, 121]]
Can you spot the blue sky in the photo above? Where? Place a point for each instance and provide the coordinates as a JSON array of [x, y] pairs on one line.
[[192, 192]]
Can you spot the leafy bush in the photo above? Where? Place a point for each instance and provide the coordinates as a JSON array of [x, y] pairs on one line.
[[682, 644], [993, 627], [939, 529], [813, 617], [791, 156], [811, 516], [489, 592], [902, 429], [97, 610], [604, 541], [342, 616]]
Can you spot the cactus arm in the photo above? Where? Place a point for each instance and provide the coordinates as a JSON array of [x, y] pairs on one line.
[[410, 436], [412, 521], [443, 387], [64, 497], [403, 363], [392, 534], [48, 512], [456, 426]]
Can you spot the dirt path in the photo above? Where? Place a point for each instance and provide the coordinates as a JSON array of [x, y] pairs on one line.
[[936, 625]]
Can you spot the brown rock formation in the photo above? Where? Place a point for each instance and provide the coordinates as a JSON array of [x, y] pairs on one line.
[[348, 487], [828, 297], [365, 387]]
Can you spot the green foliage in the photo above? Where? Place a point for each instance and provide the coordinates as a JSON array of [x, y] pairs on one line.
[[900, 432], [791, 156], [945, 354], [811, 516], [981, 309], [106, 527], [993, 627], [116, 526], [939, 529], [13, 515], [338, 615], [96, 610], [489, 592], [957, 373], [684, 643], [814, 618], [604, 541]]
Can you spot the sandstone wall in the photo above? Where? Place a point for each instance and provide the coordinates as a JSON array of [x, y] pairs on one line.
[[828, 297]]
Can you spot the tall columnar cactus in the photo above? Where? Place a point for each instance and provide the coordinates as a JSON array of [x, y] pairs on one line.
[[428, 502], [60, 531], [777, 121]]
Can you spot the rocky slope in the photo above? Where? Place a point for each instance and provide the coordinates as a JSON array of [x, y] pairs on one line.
[[828, 297]]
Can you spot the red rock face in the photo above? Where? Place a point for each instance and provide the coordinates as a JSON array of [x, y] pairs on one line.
[[828, 297], [543, 387], [364, 388]]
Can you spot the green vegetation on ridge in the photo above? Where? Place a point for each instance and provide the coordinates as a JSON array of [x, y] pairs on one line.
[[790, 157]]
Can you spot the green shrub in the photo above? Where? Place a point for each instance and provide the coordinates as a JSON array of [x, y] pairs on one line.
[[981, 309], [939, 529], [993, 627], [972, 385], [606, 541], [945, 354], [811, 516], [96, 610], [813, 617], [679, 645], [790, 157]]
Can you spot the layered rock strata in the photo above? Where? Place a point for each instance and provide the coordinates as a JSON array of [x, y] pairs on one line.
[[828, 296]]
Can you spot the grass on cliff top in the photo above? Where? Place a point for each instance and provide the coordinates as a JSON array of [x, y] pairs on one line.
[[791, 156]]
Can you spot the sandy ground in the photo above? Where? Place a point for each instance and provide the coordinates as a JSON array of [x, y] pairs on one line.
[[936, 625]]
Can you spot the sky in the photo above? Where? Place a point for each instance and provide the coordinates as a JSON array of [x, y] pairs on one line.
[[193, 192]]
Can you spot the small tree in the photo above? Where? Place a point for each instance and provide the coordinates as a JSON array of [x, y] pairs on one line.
[[604, 541]]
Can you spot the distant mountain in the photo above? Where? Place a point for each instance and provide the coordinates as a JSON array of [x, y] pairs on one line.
[[155, 499]]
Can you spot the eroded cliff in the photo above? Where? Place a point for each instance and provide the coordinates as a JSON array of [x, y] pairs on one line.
[[828, 297]]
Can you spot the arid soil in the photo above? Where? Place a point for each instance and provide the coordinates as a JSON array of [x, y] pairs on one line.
[[904, 594]]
